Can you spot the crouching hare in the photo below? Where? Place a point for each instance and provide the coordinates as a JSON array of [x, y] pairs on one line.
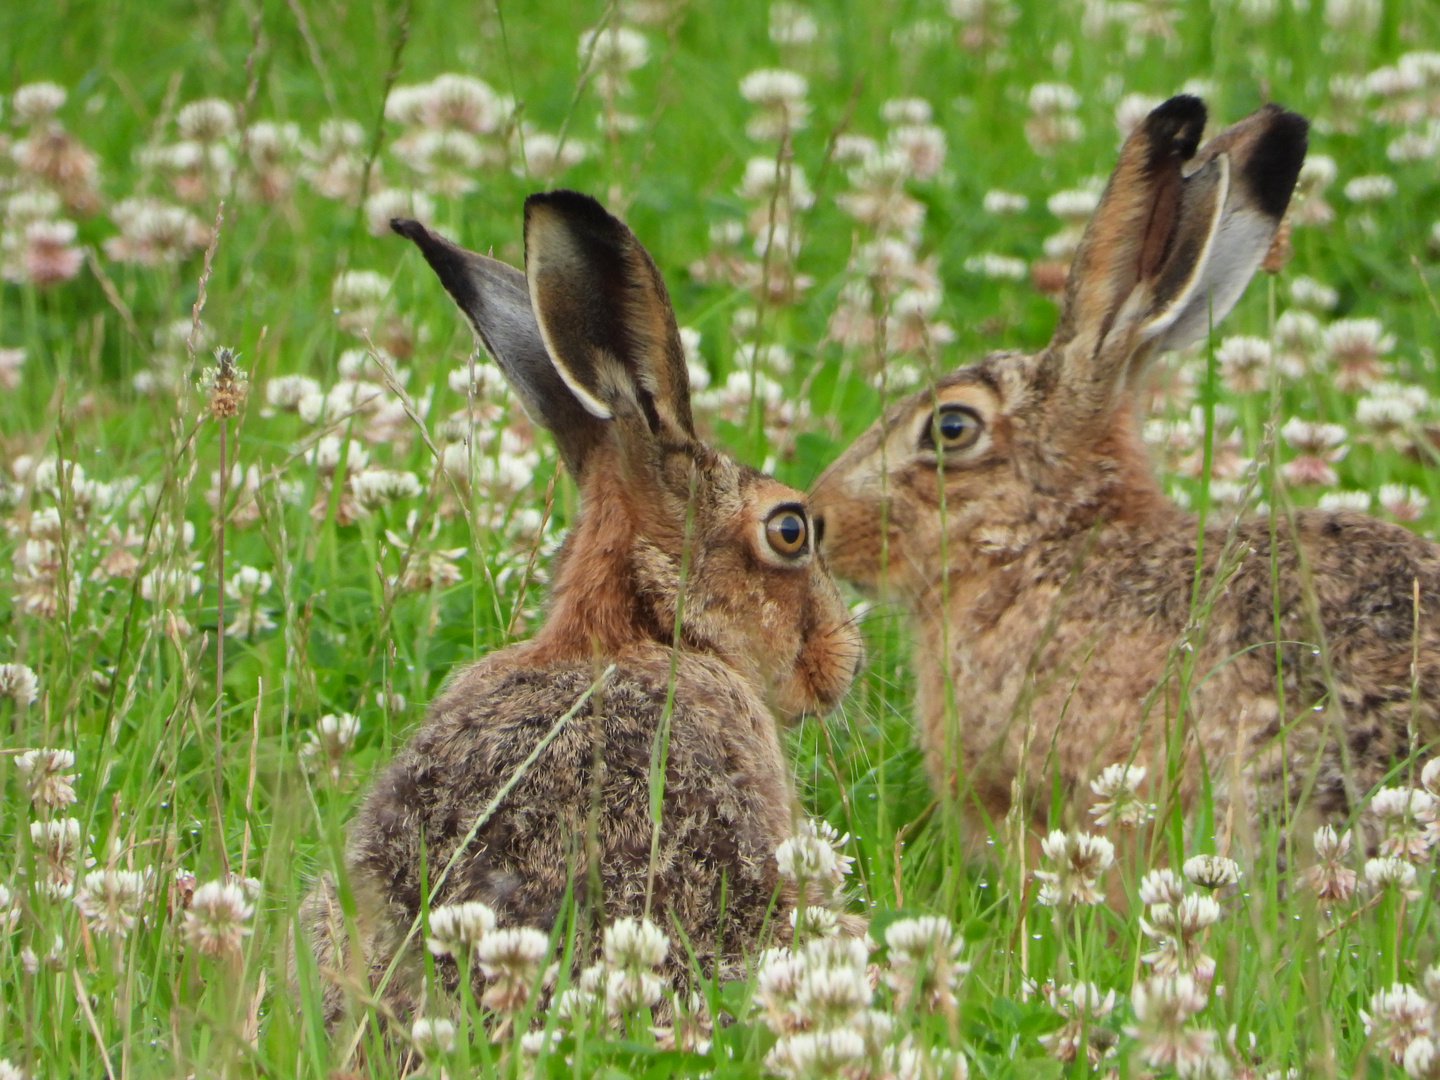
[[1059, 625], [688, 577]]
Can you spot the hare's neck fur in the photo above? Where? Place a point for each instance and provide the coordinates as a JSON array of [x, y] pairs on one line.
[[594, 609]]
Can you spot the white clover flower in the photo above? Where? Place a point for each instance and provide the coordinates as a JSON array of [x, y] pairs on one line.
[[1402, 501], [374, 488], [774, 87], [1430, 777], [1421, 1058], [206, 121], [250, 581], [545, 155], [215, 922], [1163, 1006], [1079, 861], [389, 203], [1244, 363], [1345, 500], [35, 103], [820, 921], [764, 177], [1368, 189], [19, 683], [635, 943], [356, 290], [10, 1071], [1083, 1006], [1389, 871], [1117, 796], [1004, 202], [1074, 207], [1131, 110], [1306, 292], [925, 964], [1331, 878], [511, 959], [1404, 814], [1211, 871], [1049, 98], [1389, 407], [9, 909], [287, 391], [831, 996], [325, 455], [57, 846], [45, 776], [111, 899], [462, 102], [998, 267], [805, 858], [792, 25], [816, 1053], [1397, 1017], [1162, 886], [457, 929], [433, 1038]]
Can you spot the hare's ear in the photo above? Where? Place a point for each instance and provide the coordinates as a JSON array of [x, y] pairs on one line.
[[495, 298], [605, 315], [1230, 207], [1171, 249]]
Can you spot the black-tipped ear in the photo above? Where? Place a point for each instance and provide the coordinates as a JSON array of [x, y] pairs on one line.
[[496, 299], [1233, 201], [1170, 248], [604, 313]]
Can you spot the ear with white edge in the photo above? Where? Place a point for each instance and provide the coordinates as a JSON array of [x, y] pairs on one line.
[[604, 314], [496, 299], [1231, 205], [1170, 247]]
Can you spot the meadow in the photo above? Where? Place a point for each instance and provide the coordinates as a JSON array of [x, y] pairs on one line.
[[261, 494]]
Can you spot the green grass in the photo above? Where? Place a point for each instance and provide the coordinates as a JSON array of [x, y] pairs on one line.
[[134, 696]]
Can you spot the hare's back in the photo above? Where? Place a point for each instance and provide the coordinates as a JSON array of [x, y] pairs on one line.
[[580, 810]]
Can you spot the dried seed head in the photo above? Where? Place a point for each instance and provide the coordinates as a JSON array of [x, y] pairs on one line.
[[225, 384]]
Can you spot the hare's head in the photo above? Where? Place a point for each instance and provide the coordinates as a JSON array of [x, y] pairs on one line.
[[674, 538], [1022, 447]]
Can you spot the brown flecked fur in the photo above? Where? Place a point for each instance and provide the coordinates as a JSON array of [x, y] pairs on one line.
[[1050, 580], [758, 634]]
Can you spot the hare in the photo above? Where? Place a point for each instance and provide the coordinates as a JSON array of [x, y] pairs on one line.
[[688, 603], [1059, 625]]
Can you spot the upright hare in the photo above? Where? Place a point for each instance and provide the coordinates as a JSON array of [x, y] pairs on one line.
[[689, 577], [1052, 585]]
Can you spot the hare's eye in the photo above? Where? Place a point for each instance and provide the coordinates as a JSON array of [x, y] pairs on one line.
[[957, 427], [787, 532]]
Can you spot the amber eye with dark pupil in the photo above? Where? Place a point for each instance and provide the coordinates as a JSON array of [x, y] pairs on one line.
[[786, 532], [957, 427]]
